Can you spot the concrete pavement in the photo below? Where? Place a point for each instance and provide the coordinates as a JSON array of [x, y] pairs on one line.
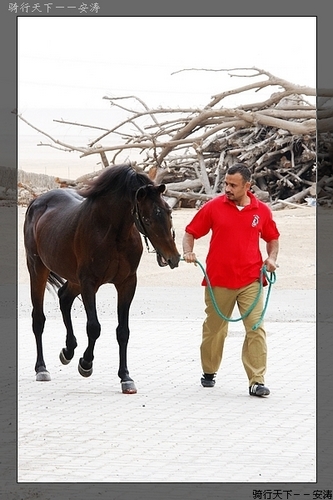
[[85, 430]]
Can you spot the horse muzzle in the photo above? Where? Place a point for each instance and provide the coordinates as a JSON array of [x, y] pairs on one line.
[[172, 262]]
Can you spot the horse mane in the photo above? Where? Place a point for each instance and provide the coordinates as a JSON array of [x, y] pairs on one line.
[[120, 180]]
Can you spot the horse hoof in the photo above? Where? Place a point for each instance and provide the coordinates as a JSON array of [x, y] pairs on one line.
[[128, 387], [83, 372], [63, 358], [43, 376]]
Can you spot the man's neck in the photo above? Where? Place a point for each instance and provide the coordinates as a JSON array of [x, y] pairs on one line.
[[243, 202]]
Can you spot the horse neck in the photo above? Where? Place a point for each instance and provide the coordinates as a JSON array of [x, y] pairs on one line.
[[108, 212]]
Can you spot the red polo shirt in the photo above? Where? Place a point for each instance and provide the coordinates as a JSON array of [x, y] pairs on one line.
[[234, 259]]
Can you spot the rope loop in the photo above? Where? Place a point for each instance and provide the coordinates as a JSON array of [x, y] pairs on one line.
[[271, 279]]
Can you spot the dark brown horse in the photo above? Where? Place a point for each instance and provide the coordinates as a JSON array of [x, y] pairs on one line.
[[77, 241]]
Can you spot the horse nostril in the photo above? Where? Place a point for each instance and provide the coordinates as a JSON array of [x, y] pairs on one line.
[[174, 262]]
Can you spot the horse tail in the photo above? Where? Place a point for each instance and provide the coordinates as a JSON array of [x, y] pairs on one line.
[[55, 281]]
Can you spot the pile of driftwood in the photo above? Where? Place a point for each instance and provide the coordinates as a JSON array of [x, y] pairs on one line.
[[30, 185], [283, 166], [325, 147], [190, 150], [7, 186]]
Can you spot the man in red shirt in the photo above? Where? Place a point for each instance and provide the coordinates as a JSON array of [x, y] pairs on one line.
[[237, 220]]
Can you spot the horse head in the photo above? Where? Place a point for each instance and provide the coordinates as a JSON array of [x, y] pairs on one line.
[[152, 217]]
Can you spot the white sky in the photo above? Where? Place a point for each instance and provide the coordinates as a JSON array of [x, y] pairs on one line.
[[73, 62]]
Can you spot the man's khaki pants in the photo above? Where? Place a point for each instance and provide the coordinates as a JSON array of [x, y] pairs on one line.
[[215, 330]]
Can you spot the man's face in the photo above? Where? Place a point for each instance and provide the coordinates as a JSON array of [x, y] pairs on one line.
[[236, 188]]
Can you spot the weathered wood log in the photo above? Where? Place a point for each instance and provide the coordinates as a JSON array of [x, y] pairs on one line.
[[189, 195], [293, 199], [185, 185], [65, 182], [289, 204]]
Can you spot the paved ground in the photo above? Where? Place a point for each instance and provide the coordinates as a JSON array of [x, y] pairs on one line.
[[173, 430]]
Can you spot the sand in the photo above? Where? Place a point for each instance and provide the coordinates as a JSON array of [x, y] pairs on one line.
[[297, 256]]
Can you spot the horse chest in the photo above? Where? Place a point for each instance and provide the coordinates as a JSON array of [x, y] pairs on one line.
[[111, 265]]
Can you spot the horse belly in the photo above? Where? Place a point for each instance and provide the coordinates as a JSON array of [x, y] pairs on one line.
[[55, 241], [61, 263]]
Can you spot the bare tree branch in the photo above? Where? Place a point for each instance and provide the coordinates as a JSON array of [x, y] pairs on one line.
[[276, 137]]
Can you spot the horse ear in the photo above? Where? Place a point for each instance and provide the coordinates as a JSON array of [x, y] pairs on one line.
[[141, 193], [161, 188]]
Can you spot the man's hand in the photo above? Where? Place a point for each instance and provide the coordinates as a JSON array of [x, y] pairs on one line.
[[190, 257], [270, 264]]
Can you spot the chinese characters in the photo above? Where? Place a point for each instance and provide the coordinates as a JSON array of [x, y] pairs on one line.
[[46, 8]]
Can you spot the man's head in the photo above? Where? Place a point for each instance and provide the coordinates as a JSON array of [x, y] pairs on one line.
[[237, 183]]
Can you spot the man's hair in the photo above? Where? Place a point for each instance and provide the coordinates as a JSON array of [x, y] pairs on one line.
[[240, 168]]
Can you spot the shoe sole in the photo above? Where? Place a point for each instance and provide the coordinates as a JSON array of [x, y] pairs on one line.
[[207, 383], [260, 394]]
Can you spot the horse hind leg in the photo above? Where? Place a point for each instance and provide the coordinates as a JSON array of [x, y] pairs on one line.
[[67, 295], [38, 279]]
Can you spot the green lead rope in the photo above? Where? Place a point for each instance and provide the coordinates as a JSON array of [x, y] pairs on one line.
[[263, 272]]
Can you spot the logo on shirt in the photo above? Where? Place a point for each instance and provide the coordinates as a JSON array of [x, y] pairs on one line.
[[255, 221]]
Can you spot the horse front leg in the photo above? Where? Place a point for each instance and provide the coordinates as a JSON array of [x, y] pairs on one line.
[[88, 294], [125, 296]]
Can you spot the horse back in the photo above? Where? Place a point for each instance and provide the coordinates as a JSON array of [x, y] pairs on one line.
[[51, 209], [71, 237]]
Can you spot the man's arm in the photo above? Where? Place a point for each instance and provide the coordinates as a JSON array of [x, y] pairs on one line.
[[188, 244], [272, 248]]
